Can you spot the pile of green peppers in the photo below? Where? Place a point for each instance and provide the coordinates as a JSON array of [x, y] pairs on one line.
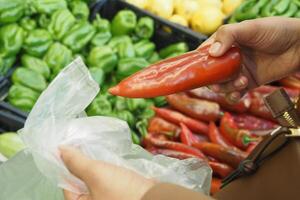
[[46, 35], [251, 9]]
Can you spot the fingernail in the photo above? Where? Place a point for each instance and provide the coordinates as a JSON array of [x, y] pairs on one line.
[[240, 83], [215, 47]]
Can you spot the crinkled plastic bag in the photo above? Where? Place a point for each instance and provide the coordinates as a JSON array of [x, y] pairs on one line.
[[58, 119]]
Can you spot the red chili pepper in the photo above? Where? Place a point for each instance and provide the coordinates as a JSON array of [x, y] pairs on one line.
[[171, 153], [258, 107], [216, 137], [291, 82], [249, 122], [175, 146], [186, 136], [239, 137], [221, 169], [251, 147], [267, 89], [159, 125], [177, 118], [185, 72], [196, 108], [215, 185], [230, 156], [201, 138], [204, 93]]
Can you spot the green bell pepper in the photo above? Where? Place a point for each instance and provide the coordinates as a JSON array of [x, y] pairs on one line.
[[126, 116], [282, 6], [103, 58], [141, 126], [103, 34], [297, 2], [120, 104], [100, 38], [11, 11], [101, 25], [160, 101], [154, 58], [147, 113], [99, 106], [28, 24], [126, 50], [6, 63], [297, 14], [23, 104], [79, 35], [145, 28], [128, 66], [117, 40], [57, 57], [97, 74], [80, 9], [49, 6], [292, 10], [135, 104], [247, 10], [174, 54], [44, 21], [36, 65], [135, 138], [123, 23], [180, 47], [37, 42], [11, 39], [29, 78], [267, 10], [61, 22], [144, 48], [17, 91]]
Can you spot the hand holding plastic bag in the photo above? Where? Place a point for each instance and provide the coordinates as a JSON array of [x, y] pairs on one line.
[[55, 121]]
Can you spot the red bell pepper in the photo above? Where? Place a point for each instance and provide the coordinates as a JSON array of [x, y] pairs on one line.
[[239, 137], [204, 93], [230, 156], [173, 154], [220, 169], [174, 146], [291, 82], [250, 122], [159, 125], [195, 108], [185, 72], [177, 118], [216, 137], [186, 136], [215, 185]]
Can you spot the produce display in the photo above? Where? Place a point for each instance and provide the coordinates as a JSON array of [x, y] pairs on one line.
[[50, 36], [10, 144], [203, 16], [201, 124], [252, 9]]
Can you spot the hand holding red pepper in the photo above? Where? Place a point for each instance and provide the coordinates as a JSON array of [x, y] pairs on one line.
[[270, 48]]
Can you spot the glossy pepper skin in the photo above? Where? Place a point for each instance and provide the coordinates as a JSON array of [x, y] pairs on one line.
[[145, 28], [43, 21], [99, 106], [196, 108], [6, 63], [37, 42], [123, 23], [49, 6], [250, 122], [172, 153], [126, 50], [36, 65], [11, 11], [220, 169], [103, 34], [22, 97], [216, 137], [117, 40], [97, 74], [154, 58], [174, 146], [186, 135], [103, 58], [159, 125], [229, 130], [79, 9], [29, 78], [144, 48], [128, 66], [57, 57], [204, 93], [230, 156], [79, 36], [61, 23], [177, 118], [180, 47], [188, 71], [28, 24], [11, 39]]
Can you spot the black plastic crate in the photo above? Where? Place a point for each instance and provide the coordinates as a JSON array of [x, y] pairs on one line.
[[162, 37]]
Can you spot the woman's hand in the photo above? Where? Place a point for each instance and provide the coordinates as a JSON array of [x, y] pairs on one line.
[[270, 49], [104, 181]]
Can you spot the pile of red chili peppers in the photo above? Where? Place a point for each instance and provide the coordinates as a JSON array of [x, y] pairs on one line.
[[201, 124]]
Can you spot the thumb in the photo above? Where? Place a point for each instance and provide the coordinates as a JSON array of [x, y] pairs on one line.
[[77, 163]]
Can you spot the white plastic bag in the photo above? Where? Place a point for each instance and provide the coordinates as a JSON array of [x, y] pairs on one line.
[[55, 121]]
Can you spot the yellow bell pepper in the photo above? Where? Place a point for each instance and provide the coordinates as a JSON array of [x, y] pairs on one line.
[[214, 3], [139, 3], [230, 5], [162, 8], [186, 8], [179, 20]]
